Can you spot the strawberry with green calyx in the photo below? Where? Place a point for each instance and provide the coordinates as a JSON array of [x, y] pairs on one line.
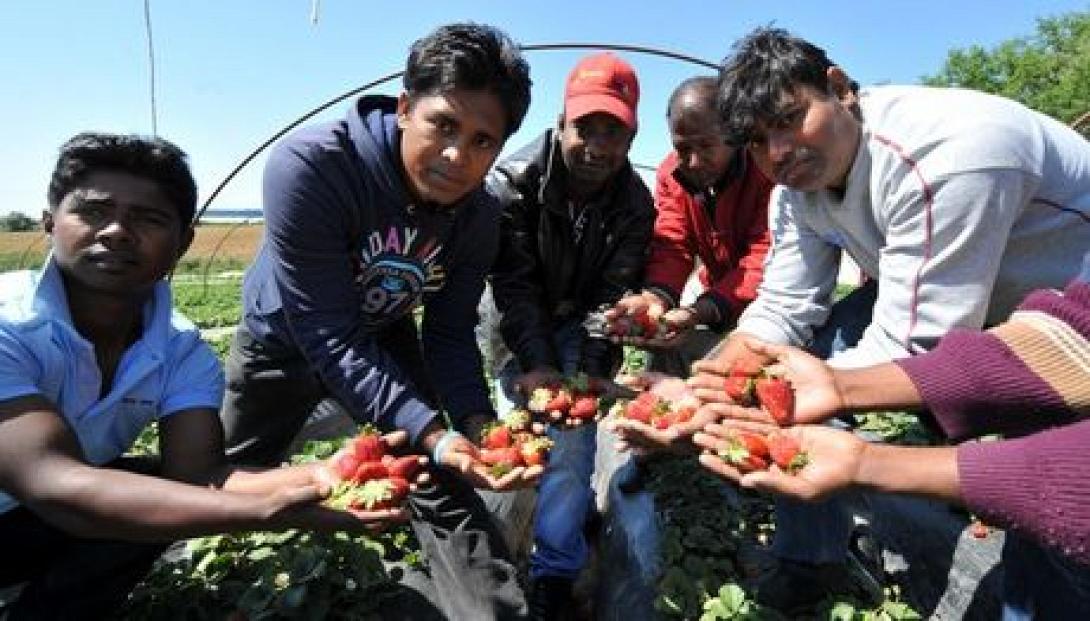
[[501, 460], [495, 435], [740, 387], [369, 446], [646, 407], [746, 451], [534, 451], [776, 397], [786, 452], [517, 419], [380, 494]]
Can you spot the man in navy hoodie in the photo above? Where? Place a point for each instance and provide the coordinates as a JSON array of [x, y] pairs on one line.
[[369, 219]]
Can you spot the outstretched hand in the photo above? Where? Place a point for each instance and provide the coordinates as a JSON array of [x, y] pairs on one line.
[[463, 456], [834, 459]]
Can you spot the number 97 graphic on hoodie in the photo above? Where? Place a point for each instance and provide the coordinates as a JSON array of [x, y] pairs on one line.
[[390, 287]]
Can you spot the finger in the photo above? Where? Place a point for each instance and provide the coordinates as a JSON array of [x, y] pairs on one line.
[[720, 467], [532, 473], [303, 494], [775, 481], [727, 411], [758, 427], [396, 438], [709, 441], [711, 367]]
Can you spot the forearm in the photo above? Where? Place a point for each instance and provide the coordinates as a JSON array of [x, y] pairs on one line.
[[879, 387], [104, 503], [920, 471]]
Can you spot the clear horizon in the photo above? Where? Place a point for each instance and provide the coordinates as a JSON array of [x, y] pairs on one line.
[[230, 75]]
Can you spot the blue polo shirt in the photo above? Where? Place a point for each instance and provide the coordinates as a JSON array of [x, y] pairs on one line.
[[168, 370]]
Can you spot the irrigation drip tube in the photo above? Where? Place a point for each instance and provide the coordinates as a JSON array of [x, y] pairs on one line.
[[621, 47], [397, 74]]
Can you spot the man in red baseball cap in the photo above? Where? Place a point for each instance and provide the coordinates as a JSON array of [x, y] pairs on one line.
[[576, 225]]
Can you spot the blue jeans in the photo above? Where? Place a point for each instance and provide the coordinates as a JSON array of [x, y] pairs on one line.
[[818, 532], [564, 494], [1041, 584]]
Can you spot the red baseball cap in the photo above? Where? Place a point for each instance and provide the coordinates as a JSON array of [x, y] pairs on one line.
[[602, 83]]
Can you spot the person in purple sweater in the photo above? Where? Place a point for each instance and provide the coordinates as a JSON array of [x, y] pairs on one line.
[[1027, 379], [373, 222]]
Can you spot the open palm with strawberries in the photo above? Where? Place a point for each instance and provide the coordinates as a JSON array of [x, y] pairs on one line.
[[833, 460]]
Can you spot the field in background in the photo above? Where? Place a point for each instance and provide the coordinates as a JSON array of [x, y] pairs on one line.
[[232, 245]]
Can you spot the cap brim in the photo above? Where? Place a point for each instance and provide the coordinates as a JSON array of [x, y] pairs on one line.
[[582, 105]]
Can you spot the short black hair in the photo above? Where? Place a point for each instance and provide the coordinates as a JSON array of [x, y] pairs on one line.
[[704, 88], [763, 67], [147, 157], [474, 57]]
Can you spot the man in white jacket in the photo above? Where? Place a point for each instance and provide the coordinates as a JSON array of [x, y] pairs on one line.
[[955, 204]]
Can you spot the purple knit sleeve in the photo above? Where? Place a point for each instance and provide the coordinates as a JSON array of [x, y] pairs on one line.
[[974, 385], [1036, 485]]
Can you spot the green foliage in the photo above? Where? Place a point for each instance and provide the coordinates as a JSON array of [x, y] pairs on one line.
[[1048, 71], [897, 428], [16, 222], [212, 303], [288, 575]]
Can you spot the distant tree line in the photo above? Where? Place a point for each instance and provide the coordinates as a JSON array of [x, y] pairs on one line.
[[1048, 71], [15, 222]]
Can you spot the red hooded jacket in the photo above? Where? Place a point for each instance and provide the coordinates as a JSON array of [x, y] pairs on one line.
[[730, 238]]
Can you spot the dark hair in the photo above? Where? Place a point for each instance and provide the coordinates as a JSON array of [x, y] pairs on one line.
[[147, 157], [703, 88], [474, 57], [764, 66]]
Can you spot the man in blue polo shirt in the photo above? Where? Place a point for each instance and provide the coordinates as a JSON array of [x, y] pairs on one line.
[[90, 353]]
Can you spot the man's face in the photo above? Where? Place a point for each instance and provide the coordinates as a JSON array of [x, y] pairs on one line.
[[811, 142], [702, 156], [448, 142], [594, 147], [116, 233]]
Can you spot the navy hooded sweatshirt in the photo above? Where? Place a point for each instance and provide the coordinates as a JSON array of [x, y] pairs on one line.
[[347, 258]]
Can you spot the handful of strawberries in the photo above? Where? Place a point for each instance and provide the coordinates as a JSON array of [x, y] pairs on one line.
[[639, 324], [506, 445], [369, 478], [652, 409], [748, 451], [572, 402], [772, 392]]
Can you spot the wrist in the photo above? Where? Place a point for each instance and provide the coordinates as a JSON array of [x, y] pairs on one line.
[[442, 444]]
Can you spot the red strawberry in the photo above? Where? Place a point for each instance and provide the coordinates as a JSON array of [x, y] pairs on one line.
[[561, 401], [508, 456], [344, 464], [534, 450], [746, 451], [665, 420], [777, 398], [645, 408], [369, 447], [501, 461], [495, 435], [786, 452], [406, 467], [739, 388], [369, 471], [646, 327], [584, 407]]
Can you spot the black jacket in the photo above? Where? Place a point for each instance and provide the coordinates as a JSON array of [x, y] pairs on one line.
[[542, 278]]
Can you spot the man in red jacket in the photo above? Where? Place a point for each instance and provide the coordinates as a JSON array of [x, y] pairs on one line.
[[713, 207]]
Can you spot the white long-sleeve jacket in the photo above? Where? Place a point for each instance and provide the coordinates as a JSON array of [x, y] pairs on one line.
[[958, 203]]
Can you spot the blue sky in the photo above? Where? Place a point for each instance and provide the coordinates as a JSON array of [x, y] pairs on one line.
[[230, 73]]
